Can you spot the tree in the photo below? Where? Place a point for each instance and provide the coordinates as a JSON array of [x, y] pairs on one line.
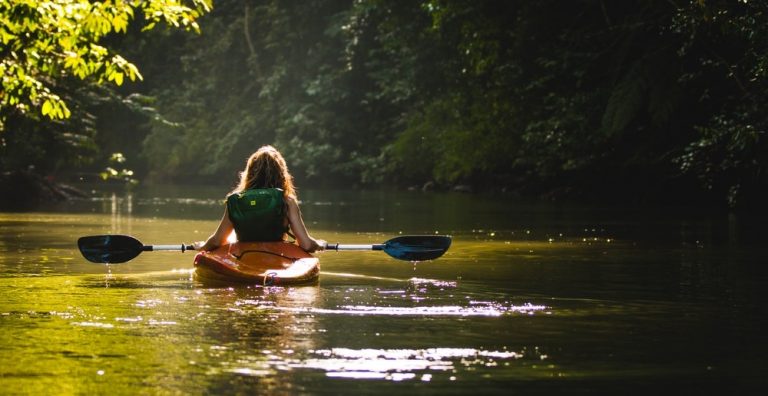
[[46, 41], [601, 100], [725, 48], [53, 62]]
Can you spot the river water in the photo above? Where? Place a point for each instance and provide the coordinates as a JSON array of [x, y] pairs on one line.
[[530, 299]]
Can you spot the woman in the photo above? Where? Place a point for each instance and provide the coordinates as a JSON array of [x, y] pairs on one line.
[[263, 207]]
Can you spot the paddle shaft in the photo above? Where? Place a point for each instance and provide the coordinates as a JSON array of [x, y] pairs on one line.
[[332, 246], [338, 246], [182, 248]]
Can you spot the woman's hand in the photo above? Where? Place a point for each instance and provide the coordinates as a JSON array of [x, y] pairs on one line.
[[317, 245], [198, 245]]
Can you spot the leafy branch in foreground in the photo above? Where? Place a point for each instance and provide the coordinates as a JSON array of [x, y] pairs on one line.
[[44, 42]]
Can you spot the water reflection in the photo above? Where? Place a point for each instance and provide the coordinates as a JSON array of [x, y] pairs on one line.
[[120, 210], [247, 336], [400, 364]]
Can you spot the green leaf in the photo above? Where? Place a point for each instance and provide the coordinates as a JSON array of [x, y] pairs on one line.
[[625, 103], [118, 76], [47, 107]]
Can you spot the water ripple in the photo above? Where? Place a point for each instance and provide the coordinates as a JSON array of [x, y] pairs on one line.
[[447, 310]]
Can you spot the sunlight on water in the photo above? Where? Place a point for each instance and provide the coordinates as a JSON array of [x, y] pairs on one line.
[[94, 324], [432, 282], [383, 364], [351, 275], [420, 291], [489, 310]]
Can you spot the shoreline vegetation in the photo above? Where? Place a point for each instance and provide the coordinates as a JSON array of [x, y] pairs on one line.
[[26, 190], [29, 191], [638, 102]]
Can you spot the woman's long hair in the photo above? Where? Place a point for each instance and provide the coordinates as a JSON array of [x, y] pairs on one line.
[[266, 168]]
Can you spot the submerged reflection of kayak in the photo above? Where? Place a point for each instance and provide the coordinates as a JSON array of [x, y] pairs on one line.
[[266, 263]]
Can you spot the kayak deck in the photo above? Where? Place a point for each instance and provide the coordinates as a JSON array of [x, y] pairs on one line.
[[265, 263]]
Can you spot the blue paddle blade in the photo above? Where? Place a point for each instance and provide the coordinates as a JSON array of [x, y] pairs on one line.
[[417, 247], [109, 248]]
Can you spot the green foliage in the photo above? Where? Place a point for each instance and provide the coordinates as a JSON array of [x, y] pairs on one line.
[[48, 40], [271, 76], [728, 153], [110, 173], [534, 97], [636, 100], [53, 61]]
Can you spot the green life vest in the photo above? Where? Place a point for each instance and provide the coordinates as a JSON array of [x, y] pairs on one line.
[[258, 215]]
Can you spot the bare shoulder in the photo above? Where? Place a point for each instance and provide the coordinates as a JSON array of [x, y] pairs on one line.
[[291, 202]]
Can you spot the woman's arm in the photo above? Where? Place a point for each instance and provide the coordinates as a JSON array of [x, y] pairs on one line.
[[306, 241], [219, 237]]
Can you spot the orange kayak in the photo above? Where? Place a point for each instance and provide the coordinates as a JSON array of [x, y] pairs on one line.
[[265, 263]]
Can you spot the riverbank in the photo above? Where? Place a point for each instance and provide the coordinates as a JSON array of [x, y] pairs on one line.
[[20, 190]]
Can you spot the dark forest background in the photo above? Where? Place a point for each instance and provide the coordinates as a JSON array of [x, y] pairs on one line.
[[607, 101]]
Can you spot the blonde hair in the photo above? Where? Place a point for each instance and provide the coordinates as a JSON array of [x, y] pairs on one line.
[[266, 168]]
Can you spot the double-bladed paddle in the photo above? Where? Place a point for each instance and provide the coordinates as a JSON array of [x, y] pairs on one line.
[[115, 249]]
